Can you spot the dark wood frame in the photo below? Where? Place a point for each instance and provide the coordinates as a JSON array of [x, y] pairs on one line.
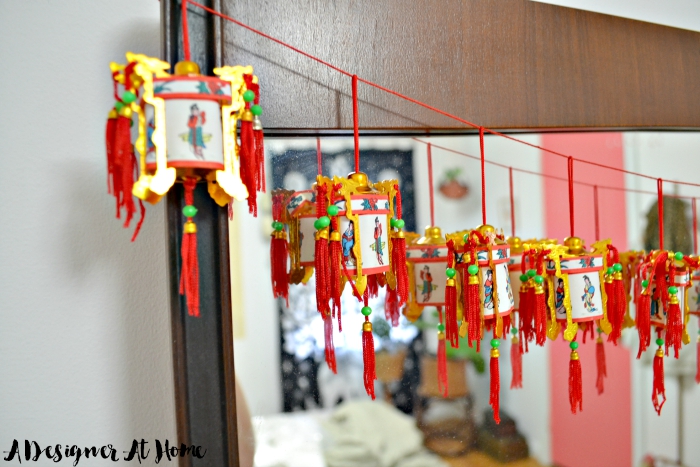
[[555, 69]]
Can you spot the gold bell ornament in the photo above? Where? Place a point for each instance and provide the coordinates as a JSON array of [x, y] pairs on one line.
[[352, 243], [186, 130]]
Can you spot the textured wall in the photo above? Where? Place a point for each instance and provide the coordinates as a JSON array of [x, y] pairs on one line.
[[85, 351]]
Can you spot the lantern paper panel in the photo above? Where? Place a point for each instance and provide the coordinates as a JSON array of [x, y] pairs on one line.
[[427, 258]]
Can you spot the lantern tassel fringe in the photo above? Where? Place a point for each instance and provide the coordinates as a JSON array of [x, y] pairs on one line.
[[516, 362], [575, 385]]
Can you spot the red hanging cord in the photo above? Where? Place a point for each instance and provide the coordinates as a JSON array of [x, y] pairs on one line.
[[512, 201], [430, 186], [571, 196], [319, 156], [695, 226], [185, 32], [596, 215], [660, 188], [483, 176], [356, 123], [419, 103]]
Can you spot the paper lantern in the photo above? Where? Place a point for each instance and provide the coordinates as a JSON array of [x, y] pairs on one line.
[[301, 209], [427, 259], [186, 130], [576, 296]]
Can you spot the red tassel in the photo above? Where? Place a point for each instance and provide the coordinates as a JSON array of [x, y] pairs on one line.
[[495, 387], [279, 253], [398, 255], [452, 328], [110, 133], [575, 386], [322, 257], [328, 340], [189, 274], [368, 357], [643, 322], [391, 306], [674, 325], [472, 297], [372, 286], [123, 169], [336, 258], [540, 315], [258, 136], [442, 364], [600, 365], [516, 362], [248, 160], [658, 390], [617, 299]]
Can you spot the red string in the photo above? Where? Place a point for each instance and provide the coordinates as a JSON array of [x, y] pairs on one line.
[[595, 212], [483, 176], [185, 32], [571, 195], [319, 156], [356, 123], [660, 188], [512, 202], [430, 186], [695, 226], [553, 177], [417, 102]]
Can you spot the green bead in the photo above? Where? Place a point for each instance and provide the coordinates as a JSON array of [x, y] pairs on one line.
[[465, 238], [678, 256], [118, 106], [400, 223], [495, 343], [249, 96], [278, 226], [617, 267], [332, 210], [128, 97], [255, 109], [645, 283], [673, 290], [531, 273], [539, 279], [598, 330], [450, 272], [524, 277], [366, 310], [322, 222], [473, 269], [609, 271], [189, 211], [441, 327], [659, 342], [393, 221], [573, 345], [514, 331]]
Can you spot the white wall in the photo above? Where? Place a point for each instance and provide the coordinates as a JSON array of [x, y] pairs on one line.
[[85, 352]]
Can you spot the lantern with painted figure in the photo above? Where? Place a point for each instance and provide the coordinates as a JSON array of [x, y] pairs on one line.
[[186, 131]]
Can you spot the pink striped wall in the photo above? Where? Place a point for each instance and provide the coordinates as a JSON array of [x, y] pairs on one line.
[[601, 435]]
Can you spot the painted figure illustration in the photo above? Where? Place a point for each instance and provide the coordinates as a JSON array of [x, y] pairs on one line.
[[657, 312], [488, 290], [428, 286], [347, 242], [377, 246], [588, 293], [509, 289], [559, 297], [196, 135]]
